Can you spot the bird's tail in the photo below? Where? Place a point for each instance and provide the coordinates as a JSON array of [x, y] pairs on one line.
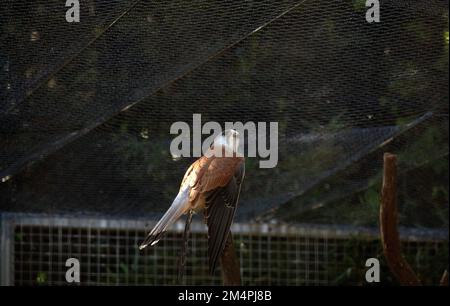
[[179, 206]]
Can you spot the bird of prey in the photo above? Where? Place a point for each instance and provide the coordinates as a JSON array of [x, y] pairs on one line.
[[212, 184]]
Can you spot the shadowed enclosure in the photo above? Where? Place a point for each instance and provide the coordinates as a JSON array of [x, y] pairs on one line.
[[86, 108]]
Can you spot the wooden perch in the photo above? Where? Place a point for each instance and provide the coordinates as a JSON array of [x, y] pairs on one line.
[[229, 261], [184, 247], [388, 225]]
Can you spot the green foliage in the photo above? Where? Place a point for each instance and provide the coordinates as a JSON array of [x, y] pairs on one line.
[[428, 260], [315, 89], [41, 278], [359, 5]]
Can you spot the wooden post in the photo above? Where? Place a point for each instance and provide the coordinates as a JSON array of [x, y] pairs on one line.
[[388, 225], [444, 279], [231, 272]]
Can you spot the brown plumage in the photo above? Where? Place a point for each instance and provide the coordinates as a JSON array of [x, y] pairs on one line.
[[211, 184]]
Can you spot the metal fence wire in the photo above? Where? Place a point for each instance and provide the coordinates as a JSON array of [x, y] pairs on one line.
[[35, 250]]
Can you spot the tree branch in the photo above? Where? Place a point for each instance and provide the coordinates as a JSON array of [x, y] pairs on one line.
[[444, 279], [388, 225]]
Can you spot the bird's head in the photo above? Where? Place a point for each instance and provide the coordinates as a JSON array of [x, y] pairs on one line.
[[227, 143]]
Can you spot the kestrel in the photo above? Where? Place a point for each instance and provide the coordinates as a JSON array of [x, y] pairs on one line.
[[212, 184]]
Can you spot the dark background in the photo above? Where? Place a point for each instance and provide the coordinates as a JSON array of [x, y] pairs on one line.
[[343, 91]]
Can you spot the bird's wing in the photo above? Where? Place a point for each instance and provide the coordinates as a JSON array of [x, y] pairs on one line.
[[195, 172], [208, 174], [220, 204]]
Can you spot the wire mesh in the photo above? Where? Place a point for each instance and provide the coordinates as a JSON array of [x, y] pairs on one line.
[[86, 110], [86, 127], [269, 254]]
